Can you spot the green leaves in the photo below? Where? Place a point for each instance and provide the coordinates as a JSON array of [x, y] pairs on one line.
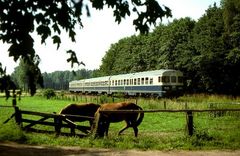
[[56, 40], [44, 31], [121, 9], [73, 59], [153, 12], [2, 71]]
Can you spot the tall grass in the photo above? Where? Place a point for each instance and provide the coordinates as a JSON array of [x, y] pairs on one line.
[[161, 131]]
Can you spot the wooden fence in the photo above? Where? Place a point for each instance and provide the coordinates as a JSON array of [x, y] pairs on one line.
[[189, 114], [58, 121]]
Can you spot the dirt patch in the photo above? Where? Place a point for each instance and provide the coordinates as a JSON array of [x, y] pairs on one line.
[[13, 149]]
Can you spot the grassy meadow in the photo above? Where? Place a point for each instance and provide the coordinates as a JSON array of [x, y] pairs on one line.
[[158, 131]]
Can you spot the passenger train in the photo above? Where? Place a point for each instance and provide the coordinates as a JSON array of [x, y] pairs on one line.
[[160, 83]]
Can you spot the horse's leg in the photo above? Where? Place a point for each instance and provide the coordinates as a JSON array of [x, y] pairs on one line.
[[91, 122], [135, 130], [126, 127], [107, 128]]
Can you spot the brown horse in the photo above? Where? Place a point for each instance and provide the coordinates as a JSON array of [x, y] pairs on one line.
[[87, 112], [103, 119]]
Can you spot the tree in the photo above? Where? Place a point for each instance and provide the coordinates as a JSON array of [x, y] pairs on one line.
[[18, 19], [5, 82], [26, 74], [231, 14], [59, 80], [157, 50], [209, 54]]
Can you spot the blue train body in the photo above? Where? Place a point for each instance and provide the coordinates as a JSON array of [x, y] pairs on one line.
[[162, 83]]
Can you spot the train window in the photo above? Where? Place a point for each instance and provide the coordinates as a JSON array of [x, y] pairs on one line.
[[146, 80], [151, 81], [127, 82], [142, 81], [138, 81], [173, 79], [166, 79], [124, 81], [135, 81], [119, 82], [159, 79], [180, 79], [115, 82]]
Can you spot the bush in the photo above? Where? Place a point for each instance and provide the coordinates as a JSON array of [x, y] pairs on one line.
[[49, 93], [105, 99]]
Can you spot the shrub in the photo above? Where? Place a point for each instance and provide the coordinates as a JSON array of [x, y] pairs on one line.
[[49, 93]]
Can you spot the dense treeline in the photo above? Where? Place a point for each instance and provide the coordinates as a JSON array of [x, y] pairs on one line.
[[57, 80], [207, 51]]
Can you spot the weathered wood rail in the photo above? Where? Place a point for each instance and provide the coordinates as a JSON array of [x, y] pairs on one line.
[[189, 114], [59, 121]]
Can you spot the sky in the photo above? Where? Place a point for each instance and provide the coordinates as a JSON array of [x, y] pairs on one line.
[[95, 38]]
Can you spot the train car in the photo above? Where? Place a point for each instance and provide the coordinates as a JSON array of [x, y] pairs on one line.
[[161, 83]]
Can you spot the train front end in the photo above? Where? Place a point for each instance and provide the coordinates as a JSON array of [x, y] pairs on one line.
[[171, 82]]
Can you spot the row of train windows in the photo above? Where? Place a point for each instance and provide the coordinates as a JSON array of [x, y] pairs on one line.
[[172, 79], [146, 80], [136, 81]]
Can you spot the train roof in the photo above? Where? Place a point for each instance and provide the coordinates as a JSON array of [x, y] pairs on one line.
[[136, 74], [145, 73]]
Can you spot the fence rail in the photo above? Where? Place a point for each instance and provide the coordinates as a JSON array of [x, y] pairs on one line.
[[59, 121], [6, 106], [166, 110], [189, 114], [59, 118]]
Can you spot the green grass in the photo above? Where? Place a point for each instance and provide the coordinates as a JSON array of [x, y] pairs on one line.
[[159, 131]]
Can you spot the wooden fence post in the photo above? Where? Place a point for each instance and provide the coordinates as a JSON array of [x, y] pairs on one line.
[[57, 123], [164, 105], [14, 101], [113, 98], [189, 126], [73, 130], [18, 116]]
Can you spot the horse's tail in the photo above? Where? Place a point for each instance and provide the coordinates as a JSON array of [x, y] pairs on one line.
[[140, 119], [94, 125]]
